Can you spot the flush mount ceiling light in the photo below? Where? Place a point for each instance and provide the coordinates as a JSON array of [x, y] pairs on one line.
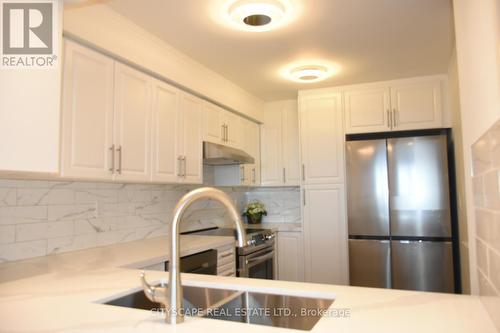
[[309, 73], [257, 15]]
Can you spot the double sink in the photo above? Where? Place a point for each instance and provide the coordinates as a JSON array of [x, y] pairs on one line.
[[285, 311]]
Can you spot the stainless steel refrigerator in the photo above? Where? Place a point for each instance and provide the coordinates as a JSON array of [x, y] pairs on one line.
[[399, 213]]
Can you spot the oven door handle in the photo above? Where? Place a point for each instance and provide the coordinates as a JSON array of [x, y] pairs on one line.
[[255, 261]]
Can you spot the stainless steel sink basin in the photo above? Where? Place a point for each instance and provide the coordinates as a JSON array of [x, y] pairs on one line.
[[195, 300], [286, 311], [300, 313]]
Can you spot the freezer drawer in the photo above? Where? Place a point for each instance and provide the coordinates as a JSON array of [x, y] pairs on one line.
[[367, 190], [422, 265], [370, 263], [419, 186]]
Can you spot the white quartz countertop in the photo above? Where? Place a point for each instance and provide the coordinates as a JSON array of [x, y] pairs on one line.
[[63, 293]]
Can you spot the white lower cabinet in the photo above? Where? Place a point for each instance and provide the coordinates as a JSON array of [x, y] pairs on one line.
[[290, 249], [325, 234]]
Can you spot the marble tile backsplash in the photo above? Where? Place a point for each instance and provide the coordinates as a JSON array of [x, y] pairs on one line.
[[40, 218], [486, 186]]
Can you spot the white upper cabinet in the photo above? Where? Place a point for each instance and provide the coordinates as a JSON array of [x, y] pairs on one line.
[[132, 121], [322, 138], [165, 133], [271, 148], [121, 124], [190, 146], [367, 109], [416, 105], [233, 129], [87, 117], [213, 124], [290, 135], [280, 145], [409, 104], [251, 145], [221, 126]]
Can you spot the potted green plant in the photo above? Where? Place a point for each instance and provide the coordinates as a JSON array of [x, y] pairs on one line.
[[254, 212]]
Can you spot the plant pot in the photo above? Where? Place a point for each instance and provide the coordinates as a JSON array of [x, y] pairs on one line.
[[254, 219]]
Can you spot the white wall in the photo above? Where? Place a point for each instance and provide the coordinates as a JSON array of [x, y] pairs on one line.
[[29, 118], [456, 125], [100, 26], [477, 35]]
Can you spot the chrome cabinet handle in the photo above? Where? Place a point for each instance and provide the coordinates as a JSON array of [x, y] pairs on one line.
[[304, 197], [242, 171], [119, 150], [184, 166], [227, 132], [179, 166], [303, 172], [222, 132], [284, 176], [112, 149], [389, 119], [395, 121]]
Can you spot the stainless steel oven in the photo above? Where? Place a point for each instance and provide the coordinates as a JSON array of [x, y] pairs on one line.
[[258, 264], [256, 260]]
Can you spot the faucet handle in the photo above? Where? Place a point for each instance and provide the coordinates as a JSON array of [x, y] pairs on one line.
[[153, 293]]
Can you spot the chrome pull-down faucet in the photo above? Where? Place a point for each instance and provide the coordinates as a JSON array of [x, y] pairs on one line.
[[171, 296]]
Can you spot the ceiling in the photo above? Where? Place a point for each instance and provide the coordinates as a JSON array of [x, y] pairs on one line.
[[371, 40]]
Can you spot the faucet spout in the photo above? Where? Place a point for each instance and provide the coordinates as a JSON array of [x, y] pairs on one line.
[[173, 298]]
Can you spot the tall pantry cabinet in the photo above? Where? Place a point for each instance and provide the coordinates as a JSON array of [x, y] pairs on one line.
[[323, 187]]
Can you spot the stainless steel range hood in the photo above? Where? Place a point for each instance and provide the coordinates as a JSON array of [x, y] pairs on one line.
[[215, 154]]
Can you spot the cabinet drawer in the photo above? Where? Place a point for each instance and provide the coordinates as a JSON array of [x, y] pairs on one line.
[[227, 267], [225, 252]]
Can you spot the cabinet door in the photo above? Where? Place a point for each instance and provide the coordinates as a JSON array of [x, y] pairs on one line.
[[233, 130], [87, 117], [191, 143], [322, 139], [367, 110], [416, 105], [271, 149], [290, 139], [165, 166], [290, 256], [254, 173], [132, 124], [213, 126], [325, 234]]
